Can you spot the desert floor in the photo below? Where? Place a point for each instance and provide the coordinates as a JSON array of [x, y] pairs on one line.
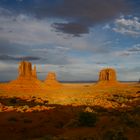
[[74, 111]]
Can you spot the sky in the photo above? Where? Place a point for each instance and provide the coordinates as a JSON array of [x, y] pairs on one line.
[[74, 38]]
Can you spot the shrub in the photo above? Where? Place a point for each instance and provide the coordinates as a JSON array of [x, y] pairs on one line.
[[12, 119], [13, 100], [129, 120], [26, 120], [112, 135], [88, 119]]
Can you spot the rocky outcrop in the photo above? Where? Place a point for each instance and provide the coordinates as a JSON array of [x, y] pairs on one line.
[[51, 80], [107, 77], [107, 74], [25, 71], [27, 79], [34, 75]]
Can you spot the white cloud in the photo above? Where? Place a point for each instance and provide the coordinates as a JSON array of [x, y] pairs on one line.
[[128, 26], [134, 50], [107, 26], [73, 58]]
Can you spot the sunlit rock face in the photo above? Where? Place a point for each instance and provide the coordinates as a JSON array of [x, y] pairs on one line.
[[51, 76], [107, 74], [51, 80], [25, 71], [26, 80], [107, 77], [34, 75]]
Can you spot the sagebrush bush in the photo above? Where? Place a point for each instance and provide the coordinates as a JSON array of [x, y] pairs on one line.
[[12, 119], [88, 119], [114, 135]]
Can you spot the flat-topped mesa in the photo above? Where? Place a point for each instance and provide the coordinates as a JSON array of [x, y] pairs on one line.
[[25, 70], [51, 80], [107, 75]]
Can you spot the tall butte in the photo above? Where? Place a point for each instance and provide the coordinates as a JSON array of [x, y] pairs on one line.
[[26, 72], [107, 76], [27, 78], [51, 80]]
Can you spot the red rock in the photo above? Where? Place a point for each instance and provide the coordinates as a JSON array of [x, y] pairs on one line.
[[51, 80], [25, 70], [27, 80], [107, 74], [34, 72], [107, 77]]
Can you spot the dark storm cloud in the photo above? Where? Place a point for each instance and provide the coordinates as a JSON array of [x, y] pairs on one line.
[[134, 7], [29, 58], [12, 52], [72, 28], [18, 58], [80, 14], [15, 52]]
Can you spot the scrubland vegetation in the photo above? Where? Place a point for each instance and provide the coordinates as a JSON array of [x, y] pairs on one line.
[[73, 113]]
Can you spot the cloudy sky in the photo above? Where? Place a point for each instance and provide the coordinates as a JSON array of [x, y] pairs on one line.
[[74, 38]]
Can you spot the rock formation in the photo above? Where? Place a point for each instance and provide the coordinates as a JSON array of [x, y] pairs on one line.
[[51, 80], [107, 74], [107, 77], [27, 79], [34, 72], [25, 71]]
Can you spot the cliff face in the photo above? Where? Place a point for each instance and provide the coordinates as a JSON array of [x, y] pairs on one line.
[[107, 77], [25, 70], [26, 80], [108, 74], [51, 76], [34, 74]]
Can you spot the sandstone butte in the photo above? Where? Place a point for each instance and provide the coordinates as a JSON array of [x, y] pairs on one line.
[[27, 79], [107, 76], [51, 80]]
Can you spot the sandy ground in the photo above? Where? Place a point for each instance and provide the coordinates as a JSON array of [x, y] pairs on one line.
[[53, 113]]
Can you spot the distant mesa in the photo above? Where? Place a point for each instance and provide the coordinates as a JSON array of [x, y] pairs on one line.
[[26, 80], [51, 80], [107, 76]]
